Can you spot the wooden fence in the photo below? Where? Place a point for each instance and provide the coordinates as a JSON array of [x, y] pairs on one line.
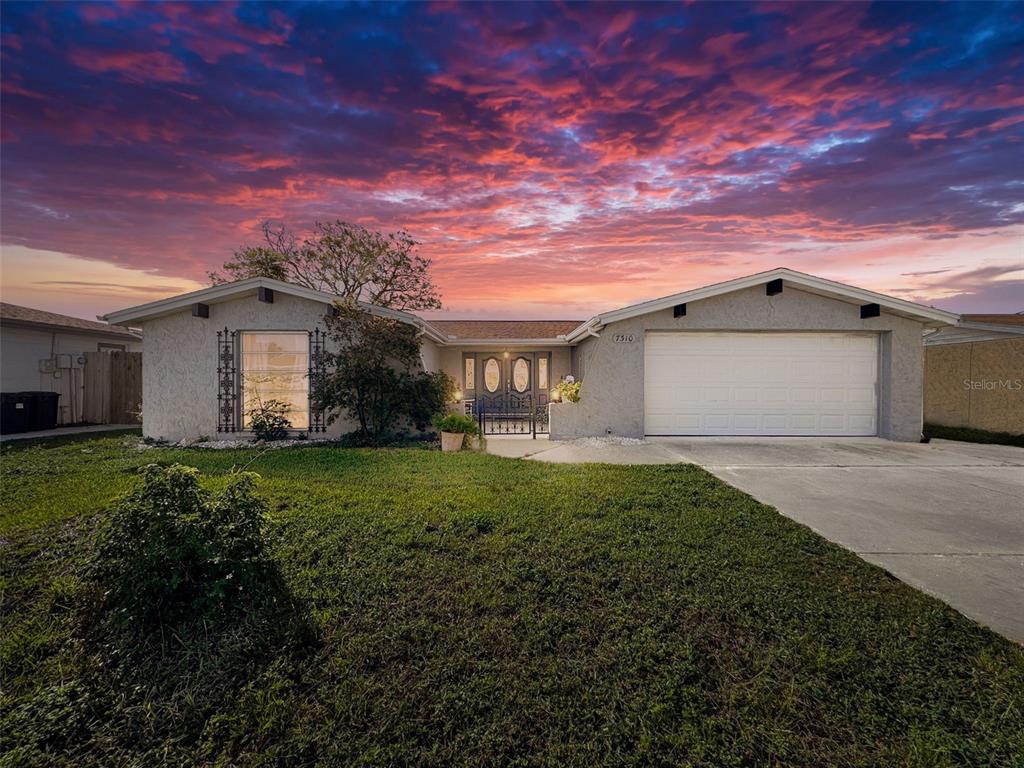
[[112, 387], [976, 384]]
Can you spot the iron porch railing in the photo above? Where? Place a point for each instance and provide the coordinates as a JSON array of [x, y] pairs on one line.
[[510, 413]]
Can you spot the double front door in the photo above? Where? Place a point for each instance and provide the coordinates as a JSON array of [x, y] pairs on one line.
[[511, 373], [509, 391]]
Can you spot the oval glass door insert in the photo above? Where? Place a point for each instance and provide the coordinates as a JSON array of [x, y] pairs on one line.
[[492, 375], [521, 374]]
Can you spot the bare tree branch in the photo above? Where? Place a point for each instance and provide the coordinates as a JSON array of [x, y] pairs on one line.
[[345, 259]]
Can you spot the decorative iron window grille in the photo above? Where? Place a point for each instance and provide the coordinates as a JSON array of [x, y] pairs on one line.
[[227, 381], [317, 420]]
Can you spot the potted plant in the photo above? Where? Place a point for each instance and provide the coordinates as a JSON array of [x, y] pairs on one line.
[[454, 427], [568, 390]]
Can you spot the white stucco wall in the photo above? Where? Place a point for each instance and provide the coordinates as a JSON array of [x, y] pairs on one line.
[[430, 355], [612, 394], [179, 374], [179, 381]]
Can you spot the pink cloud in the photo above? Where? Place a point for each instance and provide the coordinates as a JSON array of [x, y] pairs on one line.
[[132, 66], [546, 157]]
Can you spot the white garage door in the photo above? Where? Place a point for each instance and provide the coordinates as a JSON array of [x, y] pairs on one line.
[[760, 384]]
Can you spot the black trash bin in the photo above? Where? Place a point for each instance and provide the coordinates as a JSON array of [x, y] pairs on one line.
[[15, 411], [42, 410]]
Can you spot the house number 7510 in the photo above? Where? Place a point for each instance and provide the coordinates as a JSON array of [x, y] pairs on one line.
[[623, 338]]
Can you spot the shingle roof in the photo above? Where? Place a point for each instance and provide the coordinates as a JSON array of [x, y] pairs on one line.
[[505, 329], [27, 315], [995, 319]]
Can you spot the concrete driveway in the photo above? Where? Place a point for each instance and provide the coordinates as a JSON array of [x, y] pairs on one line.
[[946, 517]]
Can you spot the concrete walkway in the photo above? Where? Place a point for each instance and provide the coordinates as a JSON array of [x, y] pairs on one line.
[[946, 517], [590, 450], [64, 431]]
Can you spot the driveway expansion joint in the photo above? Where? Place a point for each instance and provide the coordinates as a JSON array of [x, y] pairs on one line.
[[850, 466], [939, 554]]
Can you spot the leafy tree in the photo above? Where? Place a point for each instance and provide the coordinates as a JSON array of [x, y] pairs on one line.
[[345, 259], [429, 394], [374, 376]]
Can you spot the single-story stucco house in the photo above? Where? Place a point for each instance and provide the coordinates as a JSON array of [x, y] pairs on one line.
[[974, 374], [776, 353]]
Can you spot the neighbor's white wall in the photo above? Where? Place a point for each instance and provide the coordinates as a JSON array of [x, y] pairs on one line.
[[612, 394], [22, 349]]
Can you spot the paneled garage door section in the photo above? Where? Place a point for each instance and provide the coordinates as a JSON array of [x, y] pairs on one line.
[[761, 384]]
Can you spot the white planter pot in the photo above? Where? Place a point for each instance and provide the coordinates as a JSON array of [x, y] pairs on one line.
[[452, 441]]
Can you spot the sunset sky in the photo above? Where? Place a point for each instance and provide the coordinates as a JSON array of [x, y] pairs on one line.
[[554, 160]]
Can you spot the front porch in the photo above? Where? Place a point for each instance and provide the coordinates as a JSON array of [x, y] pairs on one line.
[[510, 414], [507, 389], [505, 370]]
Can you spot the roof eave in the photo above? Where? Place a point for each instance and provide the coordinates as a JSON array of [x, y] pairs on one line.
[[928, 315], [589, 328], [547, 342], [1016, 330], [967, 337], [406, 317], [112, 333], [163, 307], [967, 332]]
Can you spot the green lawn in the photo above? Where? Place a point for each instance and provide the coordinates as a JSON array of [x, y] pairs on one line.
[[471, 610]]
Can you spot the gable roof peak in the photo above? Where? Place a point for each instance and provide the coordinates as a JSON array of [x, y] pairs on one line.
[[802, 280]]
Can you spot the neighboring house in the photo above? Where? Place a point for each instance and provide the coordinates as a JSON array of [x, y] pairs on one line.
[[45, 351], [777, 353], [974, 374]]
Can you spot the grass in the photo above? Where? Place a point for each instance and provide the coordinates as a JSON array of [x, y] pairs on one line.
[[969, 435], [471, 610]]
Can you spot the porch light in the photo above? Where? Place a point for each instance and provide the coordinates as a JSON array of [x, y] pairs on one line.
[[505, 354], [555, 396], [459, 395]]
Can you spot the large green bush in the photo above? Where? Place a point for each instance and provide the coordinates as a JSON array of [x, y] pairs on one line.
[[429, 393], [174, 551], [375, 377]]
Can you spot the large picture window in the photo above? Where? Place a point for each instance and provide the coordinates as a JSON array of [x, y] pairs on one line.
[[275, 366]]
